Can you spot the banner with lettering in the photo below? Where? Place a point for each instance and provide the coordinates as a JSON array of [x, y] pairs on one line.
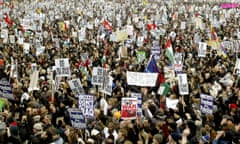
[[183, 84], [86, 104], [139, 102], [77, 118], [76, 86], [206, 105], [62, 67], [129, 108], [6, 89]]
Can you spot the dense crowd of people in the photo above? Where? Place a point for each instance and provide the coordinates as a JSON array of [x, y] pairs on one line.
[[68, 29]]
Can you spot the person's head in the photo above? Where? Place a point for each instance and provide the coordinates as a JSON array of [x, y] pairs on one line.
[[37, 127], [157, 139], [122, 134], [46, 119], [111, 127]]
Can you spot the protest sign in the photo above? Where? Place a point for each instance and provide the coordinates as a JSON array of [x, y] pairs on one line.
[[141, 79], [128, 108], [86, 104], [62, 67], [202, 49], [76, 86], [235, 45], [196, 38], [227, 44], [12, 39], [121, 35], [183, 25], [40, 50], [183, 84], [236, 70], [156, 50], [140, 41], [34, 81], [97, 76], [178, 61], [106, 87], [82, 34], [26, 48], [206, 105], [77, 118], [129, 30], [141, 56], [4, 33], [6, 89], [139, 102], [171, 103]]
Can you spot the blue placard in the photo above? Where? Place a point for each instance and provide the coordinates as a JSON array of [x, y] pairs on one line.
[[77, 118], [6, 90]]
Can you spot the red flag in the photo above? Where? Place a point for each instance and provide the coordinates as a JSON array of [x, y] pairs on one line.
[[86, 63], [8, 20], [168, 43], [161, 78], [107, 25], [151, 26]]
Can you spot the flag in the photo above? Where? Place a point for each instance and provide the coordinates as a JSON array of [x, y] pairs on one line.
[[8, 20], [224, 52], [63, 26], [216, 43], [169, 51], [84, 70], [151, 26], [152, 65], [107, 25], [213, 34], [103, 60]]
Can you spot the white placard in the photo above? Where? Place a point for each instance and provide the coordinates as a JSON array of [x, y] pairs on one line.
[[40, 50], [62, 67], [34, 81], [171, 103], [141, 79], [107, 85], [183, 84], [86, 104], [97, 76], [26, 48], [202, 49], [12, 39], [237, 67], [76, 86], [4, 33], [178, 61], [183, 25]]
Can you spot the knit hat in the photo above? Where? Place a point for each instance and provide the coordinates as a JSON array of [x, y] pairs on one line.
[[205, 139], [233, 106]]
